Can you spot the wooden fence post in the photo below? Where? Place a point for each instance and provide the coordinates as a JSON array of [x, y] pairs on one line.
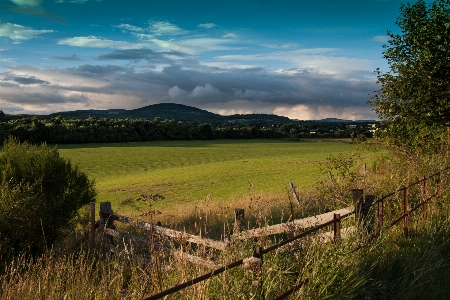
[[239, 219], [91, 226], [258, 254], [294, 193], [380, 216], [368, 220], [337, 227], [105, 221], [357, 195], [405, 211], [425, 204]]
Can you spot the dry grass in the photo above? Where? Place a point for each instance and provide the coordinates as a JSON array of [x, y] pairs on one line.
[[390, 267]]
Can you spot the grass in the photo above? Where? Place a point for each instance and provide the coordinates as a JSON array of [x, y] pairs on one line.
[[392, 266], [186, 172]]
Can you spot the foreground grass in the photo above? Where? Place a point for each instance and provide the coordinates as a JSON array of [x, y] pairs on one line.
[[188, 171], [389, 267]]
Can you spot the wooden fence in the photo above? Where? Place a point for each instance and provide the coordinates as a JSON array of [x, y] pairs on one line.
[[363, 206]]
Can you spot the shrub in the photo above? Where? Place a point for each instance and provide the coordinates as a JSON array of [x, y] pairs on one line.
[[40, 196]]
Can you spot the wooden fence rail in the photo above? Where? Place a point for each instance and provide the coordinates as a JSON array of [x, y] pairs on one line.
[[311, 224]]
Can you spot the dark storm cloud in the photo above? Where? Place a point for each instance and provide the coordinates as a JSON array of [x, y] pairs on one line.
[[26, 80], [255, 89], [96, 71], [141, 54], [43, 96], [203, 87], [300, 87], [74, 57]]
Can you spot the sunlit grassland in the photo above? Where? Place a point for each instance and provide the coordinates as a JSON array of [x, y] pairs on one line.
[[187, 171]]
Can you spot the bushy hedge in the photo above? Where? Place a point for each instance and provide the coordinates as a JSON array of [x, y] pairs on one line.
[[41, 194]]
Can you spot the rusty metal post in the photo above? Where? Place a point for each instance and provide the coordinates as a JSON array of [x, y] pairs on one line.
[[405, 211], [337, 227], [380, 216], [357, 195], [91, 226], [239, 219]]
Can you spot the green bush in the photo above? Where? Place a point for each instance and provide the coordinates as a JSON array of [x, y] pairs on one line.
[[40, 196]]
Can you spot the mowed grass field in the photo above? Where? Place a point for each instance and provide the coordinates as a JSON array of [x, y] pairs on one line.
[[186, 172]]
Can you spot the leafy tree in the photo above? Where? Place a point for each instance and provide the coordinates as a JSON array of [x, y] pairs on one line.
[[40, 195], [414, 99]]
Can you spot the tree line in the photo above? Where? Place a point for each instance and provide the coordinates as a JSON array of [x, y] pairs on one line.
[[60, 130]]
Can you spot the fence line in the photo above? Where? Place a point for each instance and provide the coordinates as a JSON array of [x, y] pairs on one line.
[[362, 207]]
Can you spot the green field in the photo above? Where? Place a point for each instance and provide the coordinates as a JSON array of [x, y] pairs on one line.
[[187, 171]]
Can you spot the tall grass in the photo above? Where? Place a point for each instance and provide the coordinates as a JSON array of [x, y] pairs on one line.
[[390, 266]]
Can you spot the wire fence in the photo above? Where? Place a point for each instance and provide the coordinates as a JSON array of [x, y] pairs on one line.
[[374, 224]]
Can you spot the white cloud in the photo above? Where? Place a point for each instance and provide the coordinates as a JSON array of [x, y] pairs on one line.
[[320, 59], [207, 25], [94, 42], [194, 46], [172, 46], [284, 46], [230, 36], [205, 91], [312, 112], [234, 111], [18, 32], [27, 2], [176, 93], [199, 92], [130, 27], [381, 38], [165, 28]]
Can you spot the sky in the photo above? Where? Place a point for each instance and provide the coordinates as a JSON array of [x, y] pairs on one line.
[[301, 59]]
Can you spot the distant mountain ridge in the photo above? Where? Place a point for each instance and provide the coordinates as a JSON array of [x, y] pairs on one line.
[[172, 111]]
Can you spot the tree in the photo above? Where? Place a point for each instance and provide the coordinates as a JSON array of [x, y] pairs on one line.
[[414, 99], [40, 195]]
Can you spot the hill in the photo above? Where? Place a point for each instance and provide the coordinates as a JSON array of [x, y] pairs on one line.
[[172, 111]]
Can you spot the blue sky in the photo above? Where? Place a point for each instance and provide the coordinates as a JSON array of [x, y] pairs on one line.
[[300, 59]]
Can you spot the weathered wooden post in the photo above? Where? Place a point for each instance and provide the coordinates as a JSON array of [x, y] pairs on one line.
[[357, 195], [294, 193], [425, 204], [105, 219], [239, 219], [257, 253], [380, 216], [337, 227], [405, 211], [91, 226], [368, 220]]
